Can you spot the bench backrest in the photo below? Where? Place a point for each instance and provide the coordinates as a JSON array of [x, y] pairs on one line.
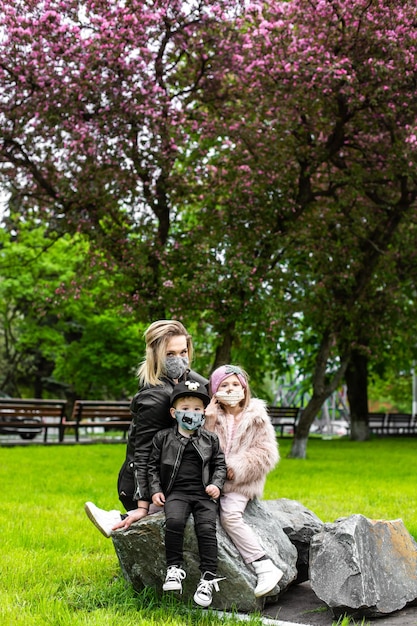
[[32, 407], [94, 409], [399, 420], [280, 413]]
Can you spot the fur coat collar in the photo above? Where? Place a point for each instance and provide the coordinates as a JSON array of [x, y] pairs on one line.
[[253, 450]]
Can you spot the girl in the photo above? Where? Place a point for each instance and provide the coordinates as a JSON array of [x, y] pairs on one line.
[[248, 440]]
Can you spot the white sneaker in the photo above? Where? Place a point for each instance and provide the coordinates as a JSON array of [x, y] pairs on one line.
[[204, 592], [268, 576], [103, 520], [173, 579]]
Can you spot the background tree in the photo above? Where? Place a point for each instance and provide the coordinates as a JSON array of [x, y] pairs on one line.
[[340, 134], [57, 338]]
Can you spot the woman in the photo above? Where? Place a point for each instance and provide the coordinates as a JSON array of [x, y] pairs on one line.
[[169, 351], [248, 441]]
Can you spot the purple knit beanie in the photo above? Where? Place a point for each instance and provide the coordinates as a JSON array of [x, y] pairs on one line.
[[223, 372]]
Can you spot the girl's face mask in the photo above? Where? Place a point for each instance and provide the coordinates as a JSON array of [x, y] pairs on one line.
[[231, 399], [176, 366], [190, 420]]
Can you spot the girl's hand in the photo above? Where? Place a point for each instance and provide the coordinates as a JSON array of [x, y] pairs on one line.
[[211, 408]]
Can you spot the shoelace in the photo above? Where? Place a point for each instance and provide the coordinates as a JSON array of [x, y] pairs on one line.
[[205, 586], [175, 573]]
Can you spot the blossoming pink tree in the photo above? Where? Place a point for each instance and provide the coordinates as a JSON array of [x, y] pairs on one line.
[[319, 118], [92, 120]]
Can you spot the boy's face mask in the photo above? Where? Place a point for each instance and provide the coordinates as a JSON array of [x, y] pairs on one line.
[[190, 420]]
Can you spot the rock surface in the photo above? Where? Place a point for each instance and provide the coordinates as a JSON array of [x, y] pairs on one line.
[[141, 554], [364, 567], [299, 524]]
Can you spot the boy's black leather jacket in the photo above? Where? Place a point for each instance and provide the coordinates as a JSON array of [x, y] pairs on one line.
[[169, 445], [150, 413]]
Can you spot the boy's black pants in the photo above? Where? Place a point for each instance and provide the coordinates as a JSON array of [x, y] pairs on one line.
[[178, 507]]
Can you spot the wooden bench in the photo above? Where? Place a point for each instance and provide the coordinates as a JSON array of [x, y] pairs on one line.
[[392, 423], [399, 424], [30, 416], [107, 414], [284, 417], [377, 422]]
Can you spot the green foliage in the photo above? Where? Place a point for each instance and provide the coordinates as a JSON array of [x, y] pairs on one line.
[[62, 329], [393, 393]]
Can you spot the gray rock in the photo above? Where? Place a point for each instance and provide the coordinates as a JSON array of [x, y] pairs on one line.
[[299, 524], [364, 567], [141, 553]]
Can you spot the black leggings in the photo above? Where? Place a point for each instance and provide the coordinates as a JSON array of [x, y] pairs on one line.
[[178, 507]]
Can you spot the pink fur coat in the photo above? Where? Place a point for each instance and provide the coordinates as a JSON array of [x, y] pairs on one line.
[[253, 451]]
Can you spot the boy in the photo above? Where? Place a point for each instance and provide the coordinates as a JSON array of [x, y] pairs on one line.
[[186, 472]]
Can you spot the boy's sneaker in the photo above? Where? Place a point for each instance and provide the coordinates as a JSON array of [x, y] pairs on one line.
[[103, 520], [204, 592], [173, 580]]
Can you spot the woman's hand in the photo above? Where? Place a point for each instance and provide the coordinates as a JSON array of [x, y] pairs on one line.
[[158, 499], [134, 516]]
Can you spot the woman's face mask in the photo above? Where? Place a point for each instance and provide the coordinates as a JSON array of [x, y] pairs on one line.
[[176, 366], [231, 399], [190, 420]]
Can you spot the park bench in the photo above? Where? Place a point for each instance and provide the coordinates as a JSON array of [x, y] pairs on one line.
[[30, 416], [93, 414], [399, 424], [376, 423], [284, 418], [392, 423]]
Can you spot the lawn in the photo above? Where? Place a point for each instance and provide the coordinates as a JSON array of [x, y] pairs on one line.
[[58, 570]]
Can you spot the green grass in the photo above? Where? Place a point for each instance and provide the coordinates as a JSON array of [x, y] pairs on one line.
[[56, 569]]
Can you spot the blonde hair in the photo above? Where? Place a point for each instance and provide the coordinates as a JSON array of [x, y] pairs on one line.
[[157, 336]]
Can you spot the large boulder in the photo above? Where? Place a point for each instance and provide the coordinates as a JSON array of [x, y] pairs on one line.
[[364, 567], [299, 524], [141, 553]]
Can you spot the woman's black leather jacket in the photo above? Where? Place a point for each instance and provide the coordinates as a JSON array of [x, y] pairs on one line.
[[150, 414]]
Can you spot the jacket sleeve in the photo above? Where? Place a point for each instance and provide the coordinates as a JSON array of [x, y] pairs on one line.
[[218, 464], [151, 414], [154, 464]]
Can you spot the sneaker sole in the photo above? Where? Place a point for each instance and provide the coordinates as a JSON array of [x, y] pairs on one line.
[[91, 517], [172, 587], [203, 603]]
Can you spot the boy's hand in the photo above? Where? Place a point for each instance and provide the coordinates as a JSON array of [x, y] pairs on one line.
[[158, 499], [213, 491]]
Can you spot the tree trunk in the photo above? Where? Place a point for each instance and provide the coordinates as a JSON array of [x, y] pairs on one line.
[[323, 387], [357, 392], [224, 349]]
